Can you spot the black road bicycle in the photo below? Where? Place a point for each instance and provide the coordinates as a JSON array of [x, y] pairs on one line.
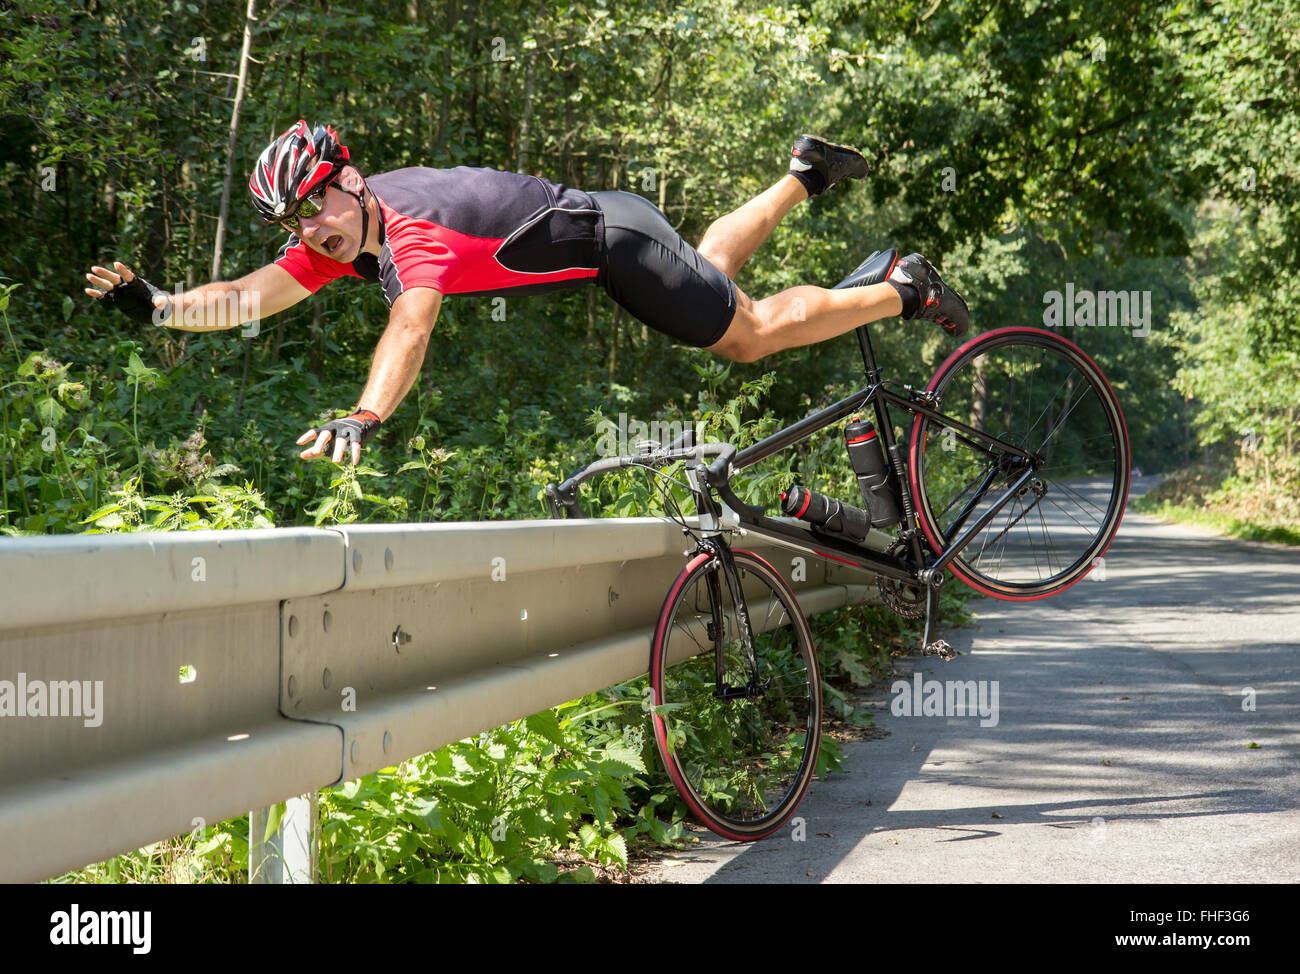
[[1013, 476]]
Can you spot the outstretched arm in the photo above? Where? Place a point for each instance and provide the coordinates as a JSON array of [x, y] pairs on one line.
[[212, 307], [397, 361]]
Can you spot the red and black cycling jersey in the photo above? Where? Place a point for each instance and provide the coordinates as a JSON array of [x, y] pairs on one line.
[[481, 231], [467, 231]]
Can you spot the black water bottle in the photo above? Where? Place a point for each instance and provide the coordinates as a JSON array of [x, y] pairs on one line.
[[874, 475], [826, 514]]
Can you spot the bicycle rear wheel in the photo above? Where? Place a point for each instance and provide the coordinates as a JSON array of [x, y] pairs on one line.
[[1041, 393], [741, 764]]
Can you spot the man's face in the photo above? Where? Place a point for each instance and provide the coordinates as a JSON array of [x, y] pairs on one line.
[[335, 231]]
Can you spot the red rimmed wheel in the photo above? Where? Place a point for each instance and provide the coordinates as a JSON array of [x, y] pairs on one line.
[[1042, 394], [742, 760]]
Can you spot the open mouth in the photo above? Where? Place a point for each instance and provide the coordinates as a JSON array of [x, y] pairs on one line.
[[333, 243]]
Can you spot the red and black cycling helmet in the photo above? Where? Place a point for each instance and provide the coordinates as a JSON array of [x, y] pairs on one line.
[[295, 165]]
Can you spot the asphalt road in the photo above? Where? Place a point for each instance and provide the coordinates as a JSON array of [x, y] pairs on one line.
[[1122, 752]]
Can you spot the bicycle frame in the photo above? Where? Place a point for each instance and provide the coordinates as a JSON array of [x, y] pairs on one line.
[[880, 398], [716, 479]]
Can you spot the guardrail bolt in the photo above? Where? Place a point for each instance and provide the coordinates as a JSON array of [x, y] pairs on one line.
[[400, 638]]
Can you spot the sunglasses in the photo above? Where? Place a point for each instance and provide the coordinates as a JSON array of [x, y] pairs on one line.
[[308, 206]]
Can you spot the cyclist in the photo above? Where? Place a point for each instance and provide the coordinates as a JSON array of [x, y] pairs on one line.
[[425, 233]]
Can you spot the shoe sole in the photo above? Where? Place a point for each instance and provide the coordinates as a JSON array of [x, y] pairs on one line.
[[799, 165]]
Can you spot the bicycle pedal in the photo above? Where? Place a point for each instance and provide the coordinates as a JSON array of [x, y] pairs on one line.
[[941, 649]]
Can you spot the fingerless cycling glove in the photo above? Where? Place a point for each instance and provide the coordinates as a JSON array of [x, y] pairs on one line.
[[135, 300], [360, 427]]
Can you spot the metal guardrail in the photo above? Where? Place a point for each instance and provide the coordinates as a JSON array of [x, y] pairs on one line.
[[311, 657]]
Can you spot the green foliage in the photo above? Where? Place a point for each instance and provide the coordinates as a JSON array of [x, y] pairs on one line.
[[1080, 143], [209, 855], [513, 804], [1243, 382], [1255, 529]]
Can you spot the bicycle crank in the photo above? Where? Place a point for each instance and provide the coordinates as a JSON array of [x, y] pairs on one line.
[[938, 647]]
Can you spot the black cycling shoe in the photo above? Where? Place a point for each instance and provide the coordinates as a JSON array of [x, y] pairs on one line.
[[939, 302], [830, 161]]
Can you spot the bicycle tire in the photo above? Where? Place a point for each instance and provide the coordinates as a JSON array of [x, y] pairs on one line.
[[1044, 394], [741, 765]]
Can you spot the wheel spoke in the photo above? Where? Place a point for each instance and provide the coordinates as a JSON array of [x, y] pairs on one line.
[[1067, 512], [1060, 424], [1079, 498]]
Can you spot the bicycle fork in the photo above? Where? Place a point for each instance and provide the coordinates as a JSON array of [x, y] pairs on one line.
[[721, 560], [722, 563]]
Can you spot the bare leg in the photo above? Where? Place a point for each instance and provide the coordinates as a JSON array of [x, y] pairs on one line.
[[731, 240], [802, 316], [799, 316]]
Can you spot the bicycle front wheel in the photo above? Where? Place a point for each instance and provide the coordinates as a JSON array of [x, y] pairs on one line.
[[1041, 394], [740, 746]]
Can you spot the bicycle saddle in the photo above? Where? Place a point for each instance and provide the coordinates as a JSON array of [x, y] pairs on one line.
[[873, 270]]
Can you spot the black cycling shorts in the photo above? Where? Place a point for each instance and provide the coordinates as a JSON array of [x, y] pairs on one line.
[[657, 276]]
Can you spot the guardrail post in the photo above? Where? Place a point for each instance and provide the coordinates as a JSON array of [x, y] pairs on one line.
[[288, 855]]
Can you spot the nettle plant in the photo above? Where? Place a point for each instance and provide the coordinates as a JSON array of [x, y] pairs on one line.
[[197, 499], [528, 801], [71, 458], [50, 461]]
